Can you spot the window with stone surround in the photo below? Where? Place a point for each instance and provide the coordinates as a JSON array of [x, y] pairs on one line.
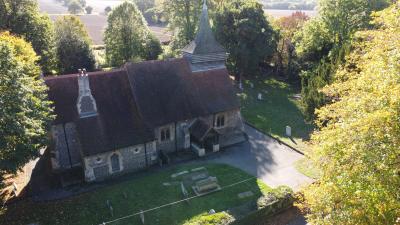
[[220, 121], [165, 134], [115, 164]]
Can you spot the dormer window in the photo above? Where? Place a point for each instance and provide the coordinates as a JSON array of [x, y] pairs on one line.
[[220, 121], [165, 134]]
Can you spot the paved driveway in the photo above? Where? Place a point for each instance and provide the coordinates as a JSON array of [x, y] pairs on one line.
[[263, 157]]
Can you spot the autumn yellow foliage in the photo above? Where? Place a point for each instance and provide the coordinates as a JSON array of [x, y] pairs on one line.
[[357, 146]]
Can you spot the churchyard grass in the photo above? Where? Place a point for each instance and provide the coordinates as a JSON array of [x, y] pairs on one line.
[[305, 166], [278, 109], [142, 193]]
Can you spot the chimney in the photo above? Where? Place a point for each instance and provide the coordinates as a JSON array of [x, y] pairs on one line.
[[86, 104]]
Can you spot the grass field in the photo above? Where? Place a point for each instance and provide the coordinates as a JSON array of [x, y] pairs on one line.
[[277, 110], [141, 194]]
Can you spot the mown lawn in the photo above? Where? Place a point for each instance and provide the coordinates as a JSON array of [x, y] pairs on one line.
[[277, 110], [142, 194]]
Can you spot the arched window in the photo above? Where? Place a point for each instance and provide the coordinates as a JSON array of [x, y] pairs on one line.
[[115, 165]]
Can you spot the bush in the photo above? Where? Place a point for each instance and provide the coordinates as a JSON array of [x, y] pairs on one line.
[[89, 9], [107, 9], [278, 200], [221, 218]]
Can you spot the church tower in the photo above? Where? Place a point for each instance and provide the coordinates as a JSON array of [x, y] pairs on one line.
[[205, 53]]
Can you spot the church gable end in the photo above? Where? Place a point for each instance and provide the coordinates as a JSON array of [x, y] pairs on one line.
[[86, 104]]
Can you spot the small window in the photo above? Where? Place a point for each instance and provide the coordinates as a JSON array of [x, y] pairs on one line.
[[220, 121], [115, 165], [165, 134]]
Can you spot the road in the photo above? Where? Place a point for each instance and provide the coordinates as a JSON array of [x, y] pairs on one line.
[[265, 158]]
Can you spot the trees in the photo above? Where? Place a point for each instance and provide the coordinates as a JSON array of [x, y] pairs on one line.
[[89, 9], [286, 56], [24, 113], [357, 147], [324, 41], [152, 48], [183, 18], [247, 35], [75, 7], [126, 34], [107, 10], [73, 45], [22, 17]]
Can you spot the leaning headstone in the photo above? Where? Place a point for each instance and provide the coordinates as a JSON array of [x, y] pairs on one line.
[[288, 131], [251, 85], [142, 216], [259, 97], [109, 206], [184, 191], [211, 212]]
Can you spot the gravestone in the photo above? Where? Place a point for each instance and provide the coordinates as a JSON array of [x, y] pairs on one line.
[[251, 85], [142, 216], [199, 176], [175, 175], [205, 186], [259, 97], [245, 194], [198, 169], [184, 191], [288, 131]]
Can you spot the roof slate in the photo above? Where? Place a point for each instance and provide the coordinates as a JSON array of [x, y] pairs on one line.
[[167, 91], [118, 123]]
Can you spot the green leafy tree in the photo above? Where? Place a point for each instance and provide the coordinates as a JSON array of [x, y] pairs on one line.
[[22, 17], [24, 113], [152, 48], [89, 9], [286, 57], [324, 42], [126, 34], [107, 10], [357, 146], [243, 29], [75, 7], [183, 18], [73, 45]]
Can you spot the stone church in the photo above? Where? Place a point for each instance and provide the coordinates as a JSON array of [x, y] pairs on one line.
[[124, 120]]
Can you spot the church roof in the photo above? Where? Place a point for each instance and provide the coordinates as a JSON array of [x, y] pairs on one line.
[[135, 99], [167, 91], [205, 42], [118, 123]]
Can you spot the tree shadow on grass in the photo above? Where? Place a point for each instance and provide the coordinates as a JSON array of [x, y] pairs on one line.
[[277, 109]]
